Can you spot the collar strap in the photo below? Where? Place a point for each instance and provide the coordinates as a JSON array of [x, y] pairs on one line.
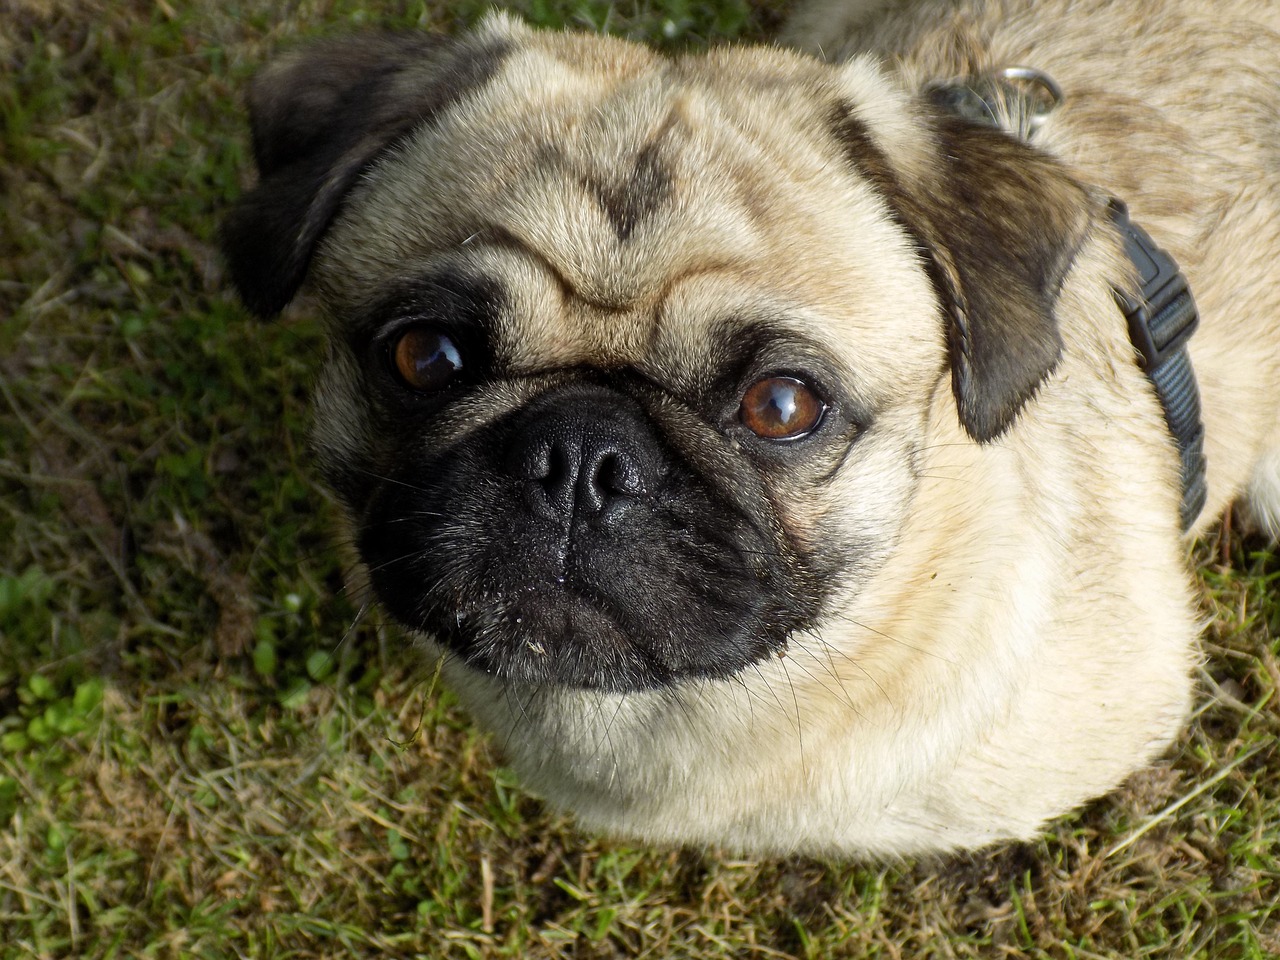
[[1161, 314], [1162, 317]]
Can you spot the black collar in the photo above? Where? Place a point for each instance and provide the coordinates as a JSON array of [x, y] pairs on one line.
[[1162, 317], [1161, 314]]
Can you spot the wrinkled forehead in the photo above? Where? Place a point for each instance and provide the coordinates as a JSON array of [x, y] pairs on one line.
[[615, 164], [616, 194]]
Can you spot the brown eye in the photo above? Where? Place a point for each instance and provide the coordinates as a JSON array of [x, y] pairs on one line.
[[780, 408], [426, 359]]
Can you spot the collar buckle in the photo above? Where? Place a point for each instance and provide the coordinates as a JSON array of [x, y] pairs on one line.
[[1163, 316]]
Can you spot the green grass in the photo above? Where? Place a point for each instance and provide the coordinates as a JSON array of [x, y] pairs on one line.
[[206, 750]]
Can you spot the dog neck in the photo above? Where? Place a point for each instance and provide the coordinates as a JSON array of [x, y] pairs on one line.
[[1161, 314]]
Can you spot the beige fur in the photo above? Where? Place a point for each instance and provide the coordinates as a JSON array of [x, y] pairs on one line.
[[1022, 635]]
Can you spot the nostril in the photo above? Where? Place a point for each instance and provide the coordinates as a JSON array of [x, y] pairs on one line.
[[560, 475], [548, 466], [620, 475]]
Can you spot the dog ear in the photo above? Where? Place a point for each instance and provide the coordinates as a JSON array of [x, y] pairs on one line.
[[321, 115], [1003, 224], [999, 224]]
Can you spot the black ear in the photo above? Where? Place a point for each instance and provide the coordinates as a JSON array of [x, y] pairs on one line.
[[1004, 223], [320, 115], [999, 224]]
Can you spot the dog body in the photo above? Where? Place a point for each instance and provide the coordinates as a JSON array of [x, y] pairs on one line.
[[761, 447]]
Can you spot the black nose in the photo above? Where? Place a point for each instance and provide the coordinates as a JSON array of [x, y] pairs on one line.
[[583, 455]]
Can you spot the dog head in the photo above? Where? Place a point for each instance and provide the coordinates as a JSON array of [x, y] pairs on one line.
[[633, 358]]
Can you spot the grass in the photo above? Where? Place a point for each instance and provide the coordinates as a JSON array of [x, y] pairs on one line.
[[206, 752]]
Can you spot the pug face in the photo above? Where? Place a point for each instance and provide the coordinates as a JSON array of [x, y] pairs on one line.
[[616, 398], [591, 471]]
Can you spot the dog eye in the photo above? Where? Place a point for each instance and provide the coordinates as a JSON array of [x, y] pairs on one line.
[[781, 408], [426, 359]]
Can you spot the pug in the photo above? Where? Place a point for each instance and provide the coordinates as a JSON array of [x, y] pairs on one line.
[[767, 447]]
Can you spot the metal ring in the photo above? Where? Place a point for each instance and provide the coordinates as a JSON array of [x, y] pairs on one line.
[[1038, 77]]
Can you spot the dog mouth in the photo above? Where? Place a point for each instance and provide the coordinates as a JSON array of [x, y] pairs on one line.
[[637, 611], [571, 548], [556, 635]]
